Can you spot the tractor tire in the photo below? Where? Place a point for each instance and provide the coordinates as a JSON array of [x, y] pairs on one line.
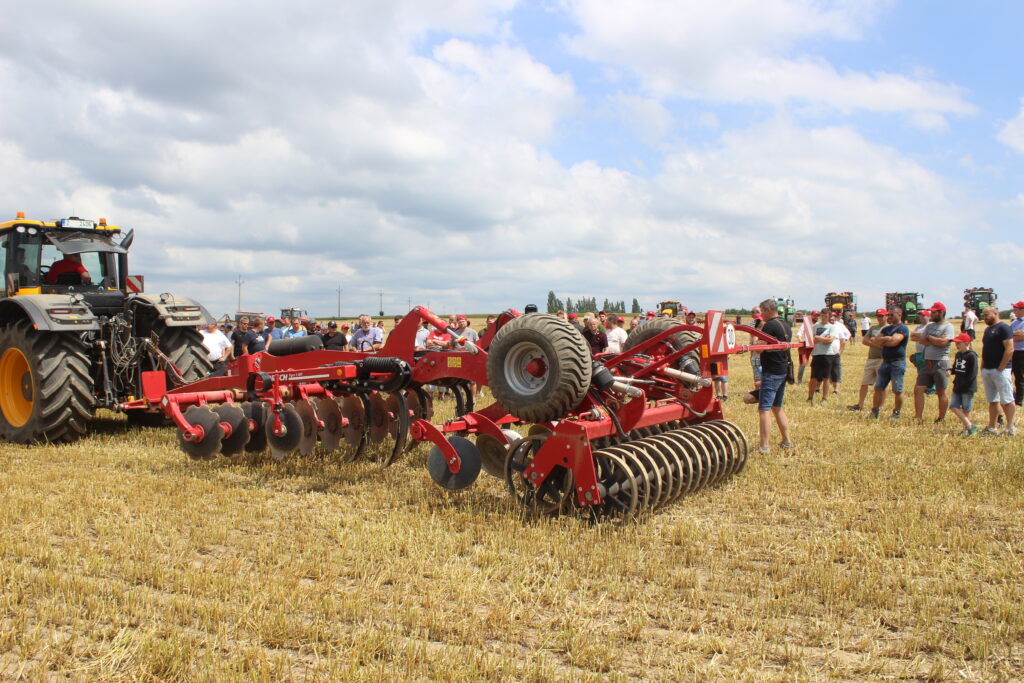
[[690, 362], [46, 391], [539, 367], [184, 346]]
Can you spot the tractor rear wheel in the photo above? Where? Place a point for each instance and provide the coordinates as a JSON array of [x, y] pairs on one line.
[[46, 391], [690, 362], [539, 367], [184, 346]]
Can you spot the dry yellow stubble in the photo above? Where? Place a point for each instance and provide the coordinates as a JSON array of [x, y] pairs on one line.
[[874, 550]]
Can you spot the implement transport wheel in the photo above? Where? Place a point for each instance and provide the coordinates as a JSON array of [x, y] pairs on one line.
[[46, 391], [538, 367], [690, 362]]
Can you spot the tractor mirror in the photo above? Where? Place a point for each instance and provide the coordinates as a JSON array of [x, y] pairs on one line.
[[127, 241]]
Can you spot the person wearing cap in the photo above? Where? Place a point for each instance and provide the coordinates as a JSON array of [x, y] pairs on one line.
[[805, 335], [1017, 364], [616, 335], [996, 359], [651, 314], [893, 341], [464, 333], [936, 338], [276, 330], [333, 339], [965, 382], [574, 319], [871, 365], [691, 318]]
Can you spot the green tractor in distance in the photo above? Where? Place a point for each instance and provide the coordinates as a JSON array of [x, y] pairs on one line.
[[908, 302], [979, 298], [787, 311]]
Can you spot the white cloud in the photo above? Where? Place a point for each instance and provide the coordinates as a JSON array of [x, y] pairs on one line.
[[1012, 133], [748, 51]]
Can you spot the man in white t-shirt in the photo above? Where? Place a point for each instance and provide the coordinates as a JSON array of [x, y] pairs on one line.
[[616, 335], [218, 348], [839, 345], [865, 325], [970, 319]]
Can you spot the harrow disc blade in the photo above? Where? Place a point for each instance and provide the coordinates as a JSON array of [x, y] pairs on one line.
[[257, 413], [619, 492], [469, 470], [354, 412], [398, 424], [426, 403], [377, 417], [640, 481], [233, 415], [310, 426], [412, 399], [328, 410], [284, 444], [494, 452], [212, 433]]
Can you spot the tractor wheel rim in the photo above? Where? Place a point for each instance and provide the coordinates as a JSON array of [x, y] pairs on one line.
[[521, 363], [17, 397]]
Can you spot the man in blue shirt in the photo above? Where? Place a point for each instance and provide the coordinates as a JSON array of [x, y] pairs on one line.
[[296, 330], [367, 337], [1017, 327], [893, 342]]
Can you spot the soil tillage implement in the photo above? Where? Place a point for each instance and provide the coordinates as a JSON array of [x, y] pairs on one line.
[[616, 435]]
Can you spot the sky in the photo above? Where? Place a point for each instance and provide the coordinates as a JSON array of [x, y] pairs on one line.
[[471, 156]]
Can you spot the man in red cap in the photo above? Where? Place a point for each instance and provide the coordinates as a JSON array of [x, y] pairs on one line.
[[1017, 327], [874, 360], [574, 318], [936, 337]]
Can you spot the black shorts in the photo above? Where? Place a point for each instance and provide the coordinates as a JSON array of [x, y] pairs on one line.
[[837, 369], [822, 367]]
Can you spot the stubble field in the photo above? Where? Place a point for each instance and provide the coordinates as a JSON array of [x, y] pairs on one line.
[[874, 550]]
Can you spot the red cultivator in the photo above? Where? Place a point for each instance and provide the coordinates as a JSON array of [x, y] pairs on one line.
[[617, 434]]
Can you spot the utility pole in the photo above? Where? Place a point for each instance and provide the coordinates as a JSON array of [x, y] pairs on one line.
[[239, 282], [381, 293], [409, 302], [340, 290]]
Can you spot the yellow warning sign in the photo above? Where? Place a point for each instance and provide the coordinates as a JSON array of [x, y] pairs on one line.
[[454, 361]]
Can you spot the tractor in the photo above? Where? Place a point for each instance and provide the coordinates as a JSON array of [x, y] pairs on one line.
[[674, 307], [76, 331], [908, 302], [979, 298], [787, 310]]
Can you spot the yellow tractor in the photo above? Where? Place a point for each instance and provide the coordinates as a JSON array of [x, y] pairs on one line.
[[77, 332]]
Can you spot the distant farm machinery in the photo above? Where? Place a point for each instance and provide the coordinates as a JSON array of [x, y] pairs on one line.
[[615, 435]]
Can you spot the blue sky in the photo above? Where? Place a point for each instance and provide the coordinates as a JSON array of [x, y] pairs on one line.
[[474, 155]]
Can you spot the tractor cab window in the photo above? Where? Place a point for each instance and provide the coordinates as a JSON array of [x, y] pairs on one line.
[[66, 269], [21, 252]]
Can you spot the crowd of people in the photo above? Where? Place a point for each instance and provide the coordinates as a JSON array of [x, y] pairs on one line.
[[945, 362]]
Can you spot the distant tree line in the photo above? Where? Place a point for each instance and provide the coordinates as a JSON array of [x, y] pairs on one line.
[[584, 304]]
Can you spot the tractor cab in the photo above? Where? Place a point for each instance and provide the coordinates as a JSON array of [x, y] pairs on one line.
[[66, 256]]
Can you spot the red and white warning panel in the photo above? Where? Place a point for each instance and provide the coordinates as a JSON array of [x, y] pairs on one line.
[[136, 284]]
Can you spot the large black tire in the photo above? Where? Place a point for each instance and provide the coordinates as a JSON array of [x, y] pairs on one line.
[[689, 362], [565, 370], [184, 346], [46, 391]]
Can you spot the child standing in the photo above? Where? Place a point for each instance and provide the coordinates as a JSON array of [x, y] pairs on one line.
[[965, 382]]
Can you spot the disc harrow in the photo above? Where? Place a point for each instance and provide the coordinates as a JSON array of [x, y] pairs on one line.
[[617, 435]]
